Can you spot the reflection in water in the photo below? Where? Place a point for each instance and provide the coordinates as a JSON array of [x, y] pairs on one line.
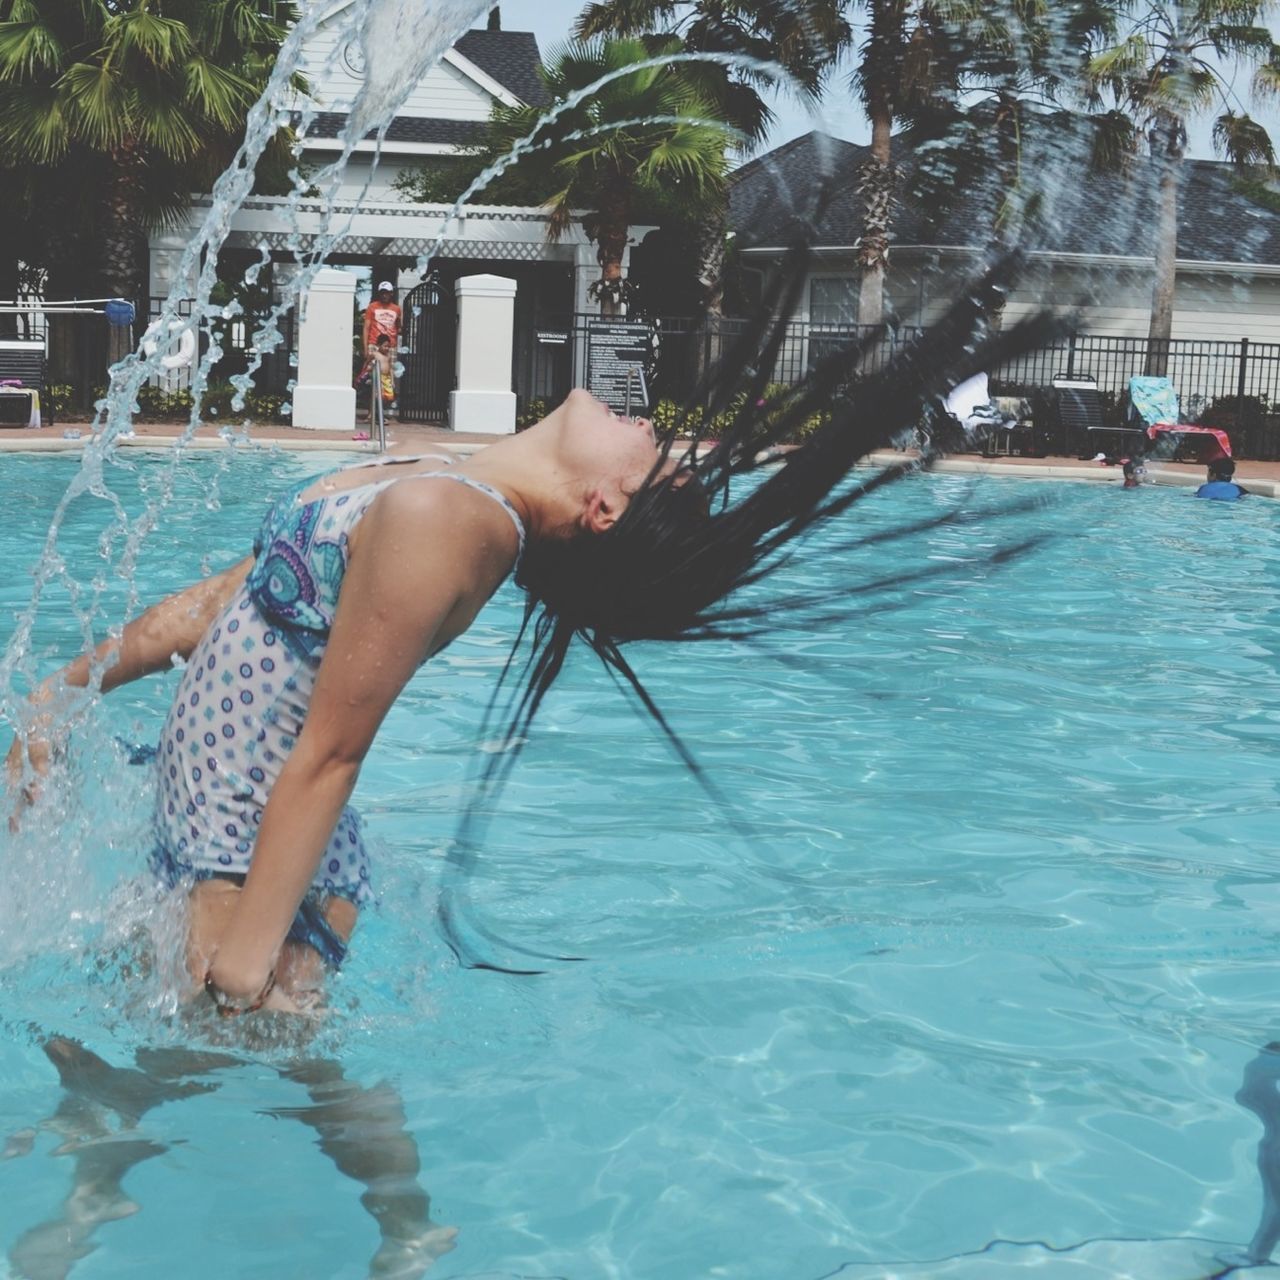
[[362, 1130], [1259, 1093]]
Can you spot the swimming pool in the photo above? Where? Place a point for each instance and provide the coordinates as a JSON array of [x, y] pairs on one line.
[[992, 968]]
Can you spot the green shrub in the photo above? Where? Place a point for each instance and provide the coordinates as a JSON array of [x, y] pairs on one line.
[[59, 397], [265, 407], [668, 414], [156, 402], [534, 411]]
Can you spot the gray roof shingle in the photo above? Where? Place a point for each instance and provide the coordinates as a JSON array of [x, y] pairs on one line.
[[1110, 214], [329, 124], [511, 58]]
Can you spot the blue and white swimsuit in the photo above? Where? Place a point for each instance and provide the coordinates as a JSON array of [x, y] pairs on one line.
[[244, 697]]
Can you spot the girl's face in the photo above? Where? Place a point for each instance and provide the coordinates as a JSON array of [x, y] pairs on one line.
[[617, 454]]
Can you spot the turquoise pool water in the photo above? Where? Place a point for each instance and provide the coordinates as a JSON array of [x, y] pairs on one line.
[[1000, 955]]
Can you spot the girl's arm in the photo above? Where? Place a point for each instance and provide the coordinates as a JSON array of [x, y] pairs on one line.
[[147, 644], [399, 602]]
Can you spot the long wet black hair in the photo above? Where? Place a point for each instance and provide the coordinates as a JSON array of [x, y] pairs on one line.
[[678, 563]]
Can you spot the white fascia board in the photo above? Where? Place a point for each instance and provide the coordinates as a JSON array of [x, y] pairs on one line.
[[482, 78], [1193, 265], [388, 150]]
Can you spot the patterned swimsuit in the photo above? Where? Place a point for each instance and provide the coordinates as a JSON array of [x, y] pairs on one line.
[[244, 697]]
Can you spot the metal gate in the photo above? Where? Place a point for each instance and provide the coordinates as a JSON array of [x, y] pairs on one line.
[[430, 357]]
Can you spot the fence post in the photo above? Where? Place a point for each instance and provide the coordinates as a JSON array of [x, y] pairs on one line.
[[1242, 380], [1071, 355]]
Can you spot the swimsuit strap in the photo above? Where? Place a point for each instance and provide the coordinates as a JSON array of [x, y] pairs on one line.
[[480, 487], [387, 460]]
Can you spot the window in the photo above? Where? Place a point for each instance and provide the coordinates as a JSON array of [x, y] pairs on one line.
[[833, 300]]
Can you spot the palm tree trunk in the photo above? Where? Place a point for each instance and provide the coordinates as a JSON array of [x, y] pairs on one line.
[[875, 188], [1007, 200], [124, 269], [1168, 155], [711, 248], [711, 255], [612, 226], [8, 292]]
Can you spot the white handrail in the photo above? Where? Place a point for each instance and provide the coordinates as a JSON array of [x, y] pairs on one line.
[[14, 308], [376, 412]]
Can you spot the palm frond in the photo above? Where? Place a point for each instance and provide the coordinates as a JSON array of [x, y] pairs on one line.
[[1114, 138], [1242, 139], [33, 124], [1266, 78], [97, 104], [140, 33], [1121, 61], [624, 18], [166, 125], [218, 94], [28, 48], [1231, 41]]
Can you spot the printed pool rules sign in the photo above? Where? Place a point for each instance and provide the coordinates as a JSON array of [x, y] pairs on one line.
[[616, 358]]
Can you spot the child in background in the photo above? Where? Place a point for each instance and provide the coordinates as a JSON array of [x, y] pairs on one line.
[[380, 361], [1220, 486]]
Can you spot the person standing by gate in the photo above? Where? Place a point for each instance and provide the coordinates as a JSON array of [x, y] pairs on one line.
[[382, 318]]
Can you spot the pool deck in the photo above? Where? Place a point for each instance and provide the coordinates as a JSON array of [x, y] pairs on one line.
[[1261, 478]]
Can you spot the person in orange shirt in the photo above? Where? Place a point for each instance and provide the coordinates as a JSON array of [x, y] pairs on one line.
[[383, 315]]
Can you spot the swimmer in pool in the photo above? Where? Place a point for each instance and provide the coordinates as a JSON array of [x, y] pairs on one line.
[[295, 654]]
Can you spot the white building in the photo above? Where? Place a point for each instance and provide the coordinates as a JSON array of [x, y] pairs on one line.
[[386, 236]]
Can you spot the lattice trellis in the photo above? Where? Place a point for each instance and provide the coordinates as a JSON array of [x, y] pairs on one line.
[[402, 247]]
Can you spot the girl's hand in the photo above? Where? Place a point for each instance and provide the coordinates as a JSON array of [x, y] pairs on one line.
[[238, 988], [30, 756]]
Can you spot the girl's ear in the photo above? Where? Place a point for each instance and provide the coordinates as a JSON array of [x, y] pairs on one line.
[[599, 513]]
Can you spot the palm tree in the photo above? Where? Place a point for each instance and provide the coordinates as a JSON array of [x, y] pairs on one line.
[[153, 94], [896, 70], [1158, 78], [1010, 67], [804, 38], [646, 130]]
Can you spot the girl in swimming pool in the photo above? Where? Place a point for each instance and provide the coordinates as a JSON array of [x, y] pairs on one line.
[[295, 654]]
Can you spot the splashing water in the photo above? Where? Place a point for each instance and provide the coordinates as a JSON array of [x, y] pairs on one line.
[[104, 953]]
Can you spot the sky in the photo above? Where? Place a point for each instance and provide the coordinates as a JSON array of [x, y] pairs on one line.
[[552, 20]]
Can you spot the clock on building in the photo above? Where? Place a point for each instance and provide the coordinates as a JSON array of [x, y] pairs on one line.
[[353, 58]]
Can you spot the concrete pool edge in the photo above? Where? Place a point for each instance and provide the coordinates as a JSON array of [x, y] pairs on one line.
[[1259, 486]]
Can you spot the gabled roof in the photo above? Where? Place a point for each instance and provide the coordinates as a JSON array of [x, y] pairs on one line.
[[510, 57], [506, 63], [1093, 214]]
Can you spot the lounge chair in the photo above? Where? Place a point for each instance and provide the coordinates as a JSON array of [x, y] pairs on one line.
[[22, 379], [1153, 407], [970, 404]]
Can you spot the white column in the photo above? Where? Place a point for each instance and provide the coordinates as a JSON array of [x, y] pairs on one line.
[[484, 400], [324, 398]]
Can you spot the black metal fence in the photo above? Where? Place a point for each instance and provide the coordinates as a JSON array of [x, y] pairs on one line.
[[78, 347], [1235, 385]]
